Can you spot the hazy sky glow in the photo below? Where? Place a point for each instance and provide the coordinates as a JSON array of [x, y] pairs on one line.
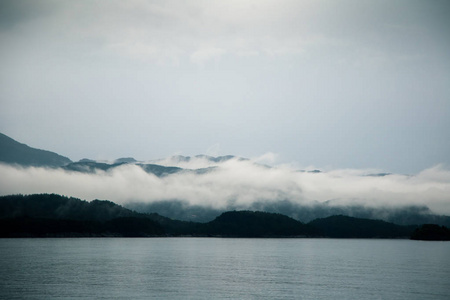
[[330, 84]]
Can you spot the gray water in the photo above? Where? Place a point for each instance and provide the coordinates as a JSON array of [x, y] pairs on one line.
[[214, 268]]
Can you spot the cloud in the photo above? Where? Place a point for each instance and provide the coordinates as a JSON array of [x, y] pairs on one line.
[[168, 31], [239, 183], [268, 158]]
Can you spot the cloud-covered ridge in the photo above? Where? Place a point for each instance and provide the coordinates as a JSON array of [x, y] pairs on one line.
[[236, 182]]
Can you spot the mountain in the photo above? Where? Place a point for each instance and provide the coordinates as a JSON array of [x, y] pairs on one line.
[[159, 170], [91, 166], [53, 215], [50, 215], [217, 159], [86, 166], [431, 232], [349, 227], [13, 152], [125, 160], [52, 206], [257, 224]]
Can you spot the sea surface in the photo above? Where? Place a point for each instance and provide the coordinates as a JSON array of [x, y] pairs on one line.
[[223, 268]]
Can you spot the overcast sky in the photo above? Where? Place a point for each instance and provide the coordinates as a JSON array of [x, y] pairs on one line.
[[329, 84]]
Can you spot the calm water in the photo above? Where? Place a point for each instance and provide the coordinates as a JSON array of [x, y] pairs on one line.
[[209, 268]]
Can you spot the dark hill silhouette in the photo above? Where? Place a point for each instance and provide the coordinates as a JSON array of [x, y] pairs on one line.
[[431, 232], [257, 224], [13, 152], [52, 206], [349, 227], [54, 215], [41, 227]]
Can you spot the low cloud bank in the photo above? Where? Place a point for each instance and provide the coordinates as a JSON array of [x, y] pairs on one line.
[[239, 183]]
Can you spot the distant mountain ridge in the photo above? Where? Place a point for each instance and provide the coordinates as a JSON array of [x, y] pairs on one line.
[[218, 159], [13, 152], [90, 166]]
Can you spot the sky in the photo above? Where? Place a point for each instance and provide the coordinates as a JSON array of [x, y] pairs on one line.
[[321, 84]]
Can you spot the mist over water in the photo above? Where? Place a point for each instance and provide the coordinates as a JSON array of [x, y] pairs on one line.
[[237, 182]]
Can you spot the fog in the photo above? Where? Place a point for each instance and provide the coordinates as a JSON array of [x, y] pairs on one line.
[[239, 183]]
